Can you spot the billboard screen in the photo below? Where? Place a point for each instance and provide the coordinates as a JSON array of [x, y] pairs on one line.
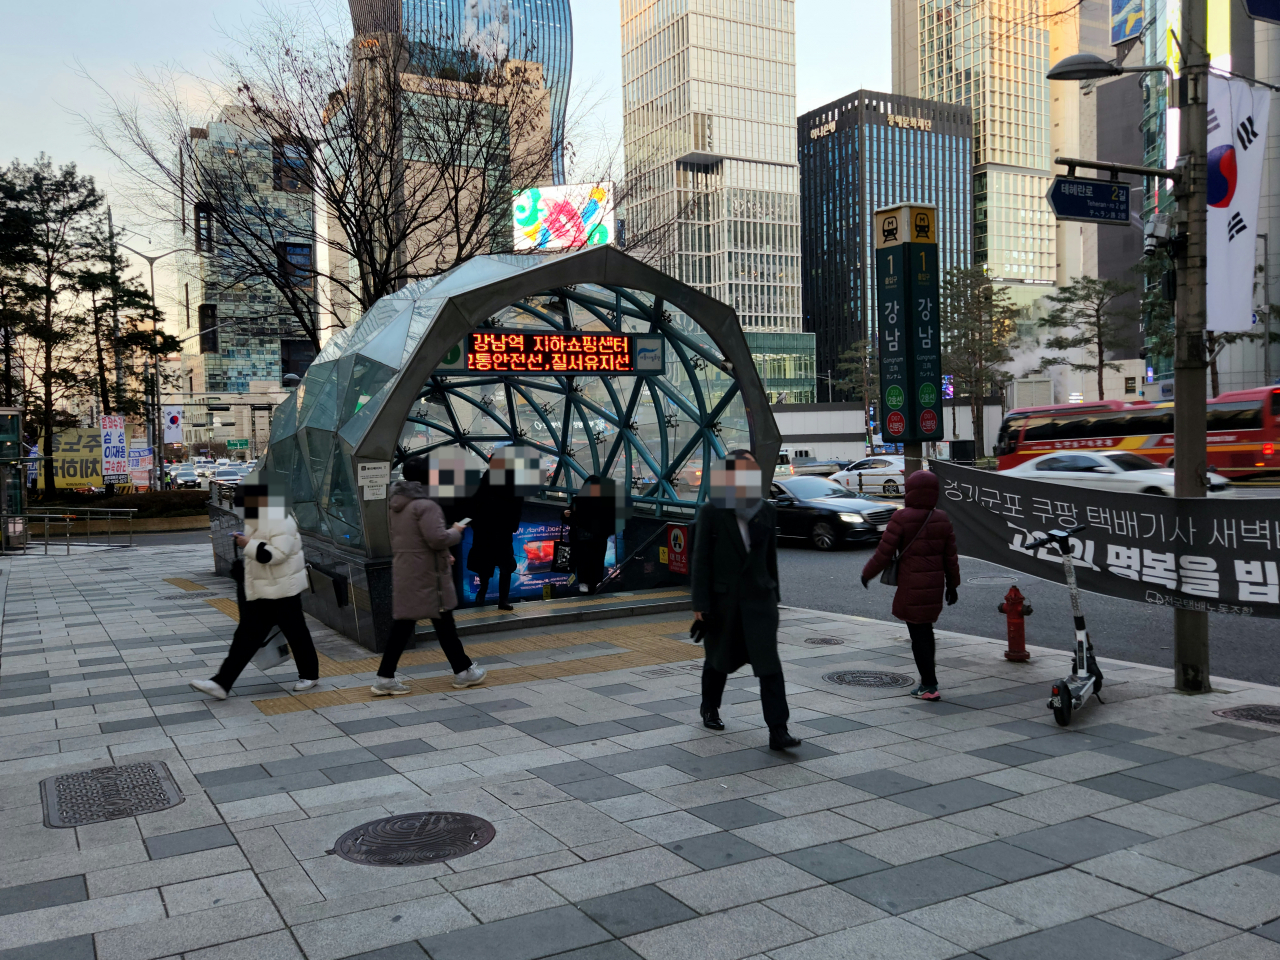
[[1126, 20], [564, 217], [570, 352]]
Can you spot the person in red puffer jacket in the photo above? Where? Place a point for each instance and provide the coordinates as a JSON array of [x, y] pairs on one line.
[[922, 537]]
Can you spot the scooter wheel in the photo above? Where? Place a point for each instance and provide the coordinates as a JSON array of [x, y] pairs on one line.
[[1062, 713]]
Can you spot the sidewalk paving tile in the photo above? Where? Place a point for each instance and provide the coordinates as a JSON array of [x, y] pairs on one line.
[[528, 937], [914, 885], [1081, 938], [636, 910]]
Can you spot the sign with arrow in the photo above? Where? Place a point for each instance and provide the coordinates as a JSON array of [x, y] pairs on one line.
[[1089, 200]]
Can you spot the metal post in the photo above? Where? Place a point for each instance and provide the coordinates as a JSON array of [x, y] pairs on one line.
[[1191, 628], [911, 459]]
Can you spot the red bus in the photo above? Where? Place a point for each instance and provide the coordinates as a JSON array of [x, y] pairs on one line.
[[1243, 439]]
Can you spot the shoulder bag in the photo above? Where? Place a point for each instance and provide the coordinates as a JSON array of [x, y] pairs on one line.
[[890, 575]]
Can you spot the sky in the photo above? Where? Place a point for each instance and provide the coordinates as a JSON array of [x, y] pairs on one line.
[[59, 54]]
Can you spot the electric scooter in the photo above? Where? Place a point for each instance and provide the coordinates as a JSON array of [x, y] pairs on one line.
[[1071, 693]]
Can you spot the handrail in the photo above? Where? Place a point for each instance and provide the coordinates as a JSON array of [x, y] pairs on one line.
[[66, 517]]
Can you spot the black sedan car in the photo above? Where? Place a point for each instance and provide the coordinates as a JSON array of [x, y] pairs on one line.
[[827, 514]]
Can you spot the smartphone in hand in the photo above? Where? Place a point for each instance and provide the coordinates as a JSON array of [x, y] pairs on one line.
[[464, 521]]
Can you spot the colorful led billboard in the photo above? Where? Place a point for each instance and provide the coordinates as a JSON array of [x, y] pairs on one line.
[[564, 218]]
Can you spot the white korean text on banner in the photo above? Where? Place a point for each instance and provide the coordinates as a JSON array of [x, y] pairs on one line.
[[1211, 555], [1237, 140], [115, 451], [172, 424]]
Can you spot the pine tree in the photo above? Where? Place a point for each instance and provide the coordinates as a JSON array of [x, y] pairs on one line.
[[977, 329], [1087, 312]]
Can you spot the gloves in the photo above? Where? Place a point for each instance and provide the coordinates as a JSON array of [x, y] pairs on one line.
[[952, 596], [698, 631], [865, 583]]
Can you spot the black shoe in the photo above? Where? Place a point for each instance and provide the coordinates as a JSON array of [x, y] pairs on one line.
[[505, 606], [779, 739], [711, 719]]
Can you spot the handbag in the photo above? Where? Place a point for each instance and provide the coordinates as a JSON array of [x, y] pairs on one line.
[[562, 558], [273, 652], [890, 575]]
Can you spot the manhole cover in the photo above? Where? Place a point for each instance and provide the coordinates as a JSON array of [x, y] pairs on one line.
[[411, 839], [825, 641], [108, 793], [990, 580], [1254, 713], [868, 678]]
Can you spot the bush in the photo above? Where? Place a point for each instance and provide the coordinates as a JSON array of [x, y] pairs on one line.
[[161, 503]]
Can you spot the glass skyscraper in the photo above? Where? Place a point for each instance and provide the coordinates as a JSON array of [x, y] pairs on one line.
[[538, 31], [860, 153], [712, 190], [992, 56]]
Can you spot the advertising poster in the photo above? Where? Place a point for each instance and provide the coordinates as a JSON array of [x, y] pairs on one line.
[[77, 459], [563, 217], [115, 451], [535, 544]]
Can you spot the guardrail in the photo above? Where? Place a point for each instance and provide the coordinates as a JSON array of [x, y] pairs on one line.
[[17, 530]]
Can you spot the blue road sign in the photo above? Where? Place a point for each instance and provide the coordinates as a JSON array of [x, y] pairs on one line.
[[1268, 11], [1089, 200]]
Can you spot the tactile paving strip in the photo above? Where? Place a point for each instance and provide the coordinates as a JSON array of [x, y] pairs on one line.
[[108, 793], [184, 584]]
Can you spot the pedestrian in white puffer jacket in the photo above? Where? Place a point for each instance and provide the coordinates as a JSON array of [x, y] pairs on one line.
[[275, 574]]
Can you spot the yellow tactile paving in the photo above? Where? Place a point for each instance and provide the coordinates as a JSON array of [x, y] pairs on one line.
[[556, 604], [227, 606], [644, 648], [183, 583]]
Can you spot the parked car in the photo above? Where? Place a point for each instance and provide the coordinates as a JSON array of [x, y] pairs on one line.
[[1122, 472], [828, 514], [884, 474], [185, 477]]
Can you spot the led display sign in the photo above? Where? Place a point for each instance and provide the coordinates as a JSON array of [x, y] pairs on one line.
[[552, 352]]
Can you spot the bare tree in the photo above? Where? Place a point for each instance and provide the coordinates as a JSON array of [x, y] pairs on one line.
[[977, 322]]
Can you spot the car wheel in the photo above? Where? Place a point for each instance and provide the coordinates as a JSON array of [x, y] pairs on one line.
[[890, 488], [823, 537], [1154, 491]]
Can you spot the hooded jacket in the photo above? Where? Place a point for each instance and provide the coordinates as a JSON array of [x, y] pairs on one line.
[[930, 562], [421, 583], [274, 567]]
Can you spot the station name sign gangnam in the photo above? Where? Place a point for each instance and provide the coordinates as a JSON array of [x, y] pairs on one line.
[[551, 352]]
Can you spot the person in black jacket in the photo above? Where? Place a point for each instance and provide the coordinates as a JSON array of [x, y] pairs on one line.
[[592, 521], [735, 593], [495, 510]]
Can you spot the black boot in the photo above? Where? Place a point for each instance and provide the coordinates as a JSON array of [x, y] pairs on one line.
[[779, 739], [711, 719]]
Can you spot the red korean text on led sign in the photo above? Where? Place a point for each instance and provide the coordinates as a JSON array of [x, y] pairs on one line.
[[549, 353]]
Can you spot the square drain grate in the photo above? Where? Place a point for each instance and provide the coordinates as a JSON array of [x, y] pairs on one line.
[[108, 793]]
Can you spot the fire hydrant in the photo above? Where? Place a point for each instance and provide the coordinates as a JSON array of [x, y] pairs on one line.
[[1015, 608]]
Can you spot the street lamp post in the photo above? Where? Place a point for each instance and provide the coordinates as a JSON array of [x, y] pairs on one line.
[[1190, 628]]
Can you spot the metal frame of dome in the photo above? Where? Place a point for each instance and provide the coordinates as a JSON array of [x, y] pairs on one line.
[[359, 396]]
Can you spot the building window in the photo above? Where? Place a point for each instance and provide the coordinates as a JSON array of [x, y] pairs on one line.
[[1130, 384], [295, 263], [287, 163], [208, 318], [295, 357], [202, 217]]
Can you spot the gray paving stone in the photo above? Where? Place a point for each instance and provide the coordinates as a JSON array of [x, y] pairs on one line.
[[716, 850], [1002, 860], [834, 862], [834, 724], [883, 783], [610, 950], [1061, 744], [72, 948], [914, 885], [526, 937], [636, 910], [726, 764], [599, 788], [189, 841], [498, 706], [218, 778], [401, 748], [1184, 772], [1117, 731], [1089, 937], [1077, 840], [616, 689], [478, 721], [191, 716], [271, 786], [1009, 754], [733, 814], [1269, 930], [558, 774], [953, 796], [633, 760], [1130, 788], [317, 761], [639, 724], [670, 706], [1259, 783], [368, 725], [401, 951], [741, 932], [47, 893], [542, 725], [1237, 731], [358, 771], [1137, 753]]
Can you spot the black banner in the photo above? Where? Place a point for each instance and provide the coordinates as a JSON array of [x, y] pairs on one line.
[[1215, 555]]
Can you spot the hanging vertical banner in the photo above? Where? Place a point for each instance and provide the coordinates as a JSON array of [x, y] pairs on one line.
[[172, 424], [115, 451], [1237, 140]]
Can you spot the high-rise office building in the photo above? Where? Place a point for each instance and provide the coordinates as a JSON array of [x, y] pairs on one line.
[[992, 56], [712, 185], [862, 152], [532, 31]]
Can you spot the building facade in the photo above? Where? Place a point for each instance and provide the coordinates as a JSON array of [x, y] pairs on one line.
[[712, 189], [857, 154], [991, 56]]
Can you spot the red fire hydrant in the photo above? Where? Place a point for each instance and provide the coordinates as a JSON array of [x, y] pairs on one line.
[[1015, 608]]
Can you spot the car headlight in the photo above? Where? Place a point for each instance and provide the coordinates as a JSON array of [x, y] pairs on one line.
[[851, 517]]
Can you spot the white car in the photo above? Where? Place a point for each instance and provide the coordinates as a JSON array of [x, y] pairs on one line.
[[1122, 472], [884, 474]]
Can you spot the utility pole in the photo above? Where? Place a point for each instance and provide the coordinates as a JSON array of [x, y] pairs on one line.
[[115, 309], [1190, 465]]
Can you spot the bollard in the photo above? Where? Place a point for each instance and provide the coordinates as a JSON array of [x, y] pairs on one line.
[[1015, 608]]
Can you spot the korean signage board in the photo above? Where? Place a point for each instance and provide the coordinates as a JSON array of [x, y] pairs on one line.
[[908, 334], [1210, 555], [115, 451], [1087, 200], [677, 548], [513, 353], [77, 459], [563, 217]]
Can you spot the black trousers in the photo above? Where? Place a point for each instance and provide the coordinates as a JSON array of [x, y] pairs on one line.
[[257, 618], [773, 695], [922, 650], [402, 633], [504, 588]]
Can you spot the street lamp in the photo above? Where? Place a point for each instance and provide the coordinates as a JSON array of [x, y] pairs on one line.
[[1090, 66]]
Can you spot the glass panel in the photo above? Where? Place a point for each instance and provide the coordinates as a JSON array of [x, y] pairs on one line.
[[308, 392], [316, 445], [360, 379], [285, 420], [388, 346], [322, 402], [343, 504], [333, 349], [354, 429]]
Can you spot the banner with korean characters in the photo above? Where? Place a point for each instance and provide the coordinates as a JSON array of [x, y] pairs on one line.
[[115, 450], [77, 459], [1219, 555]]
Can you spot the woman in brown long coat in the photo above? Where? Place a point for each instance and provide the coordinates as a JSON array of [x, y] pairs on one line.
[[923, 538], [421, 580]]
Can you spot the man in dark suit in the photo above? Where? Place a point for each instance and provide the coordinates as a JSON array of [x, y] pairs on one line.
[[735, 592]]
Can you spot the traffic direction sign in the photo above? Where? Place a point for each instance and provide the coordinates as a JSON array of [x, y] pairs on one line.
[[1089, 200], [1268, 11]]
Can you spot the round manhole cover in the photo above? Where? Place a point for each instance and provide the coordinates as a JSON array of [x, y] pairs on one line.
[[825, 641], [411, 839], [868, 678], [988, 581], [1254, 713]]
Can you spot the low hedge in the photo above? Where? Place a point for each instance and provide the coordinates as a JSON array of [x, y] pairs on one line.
[[161, 503]]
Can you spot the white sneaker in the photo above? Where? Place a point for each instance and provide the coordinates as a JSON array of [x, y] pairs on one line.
[[389, 688], [583, 588], [208, 686], [469, 677], [302, 685]]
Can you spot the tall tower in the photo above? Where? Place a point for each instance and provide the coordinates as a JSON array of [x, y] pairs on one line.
[[712, 184], [992, 56]]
